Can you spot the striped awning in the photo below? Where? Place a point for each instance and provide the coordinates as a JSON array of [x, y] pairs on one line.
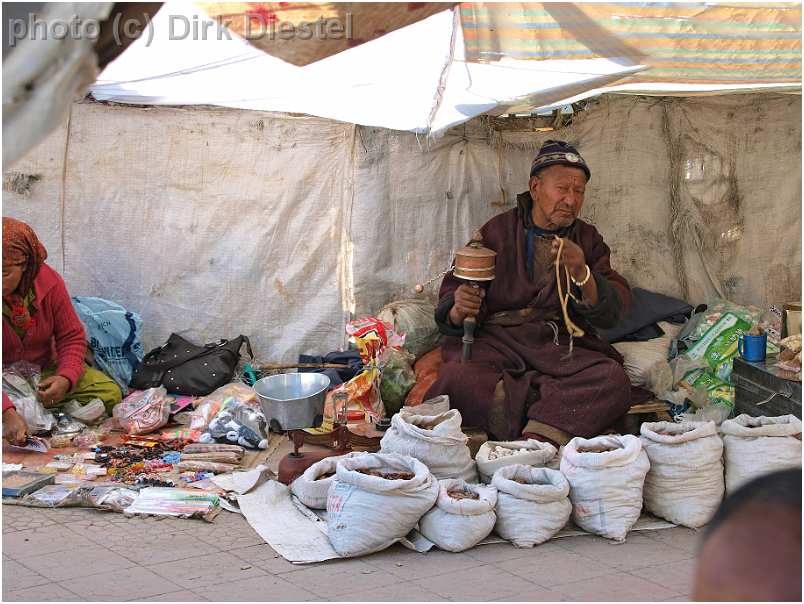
[[696, 43]]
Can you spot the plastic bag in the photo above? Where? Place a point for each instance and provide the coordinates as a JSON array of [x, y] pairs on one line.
[[362, 398], [532, 504], [712, 398], [65, 431], [238, 423], [397, 379], [112, 498], [759, 445], [606, 476], [685, 482], [53, 496], [415, 319], [494, 455], [183, 503], [143, 411], [462, 517], [435, 440], [700, 323], [209, 406], [376, 500], [718, 345], [370, 336], [87, 439], [114, 337], [20, 382], [90, 413]]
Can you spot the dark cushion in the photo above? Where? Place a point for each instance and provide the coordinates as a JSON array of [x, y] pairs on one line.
[[647, 308]]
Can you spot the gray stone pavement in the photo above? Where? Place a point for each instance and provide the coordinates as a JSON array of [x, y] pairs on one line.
[[75, 554]]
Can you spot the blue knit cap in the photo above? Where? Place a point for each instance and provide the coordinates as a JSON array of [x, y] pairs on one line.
[[558, 152]]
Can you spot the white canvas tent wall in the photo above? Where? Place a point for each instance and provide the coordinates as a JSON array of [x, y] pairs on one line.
[[214, 222]]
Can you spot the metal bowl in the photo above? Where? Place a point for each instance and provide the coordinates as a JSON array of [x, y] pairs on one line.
[[292, 401]]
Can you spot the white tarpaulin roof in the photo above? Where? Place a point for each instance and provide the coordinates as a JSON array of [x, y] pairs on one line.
[[392, 82], [416, 78]]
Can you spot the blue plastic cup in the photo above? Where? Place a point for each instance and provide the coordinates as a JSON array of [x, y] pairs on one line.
[[752, 348]]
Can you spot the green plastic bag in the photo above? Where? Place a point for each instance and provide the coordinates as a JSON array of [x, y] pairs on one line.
[[717, 391], [718, 345], [397, 380]]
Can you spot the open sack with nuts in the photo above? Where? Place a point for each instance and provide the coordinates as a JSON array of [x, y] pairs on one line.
[[436, 440], [685, 482], [532, 504], [375, 500], [494, 455], [312, 486], [462, 517], [606, 475], [759, 445]]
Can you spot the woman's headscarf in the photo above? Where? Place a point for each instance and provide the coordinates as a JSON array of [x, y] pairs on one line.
[[21, 245]]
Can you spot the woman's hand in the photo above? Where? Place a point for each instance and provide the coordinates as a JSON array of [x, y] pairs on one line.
[[15, 430], [467, 303], [52, 390]]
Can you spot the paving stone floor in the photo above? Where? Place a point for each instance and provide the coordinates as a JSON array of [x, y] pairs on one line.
[[75, 554]]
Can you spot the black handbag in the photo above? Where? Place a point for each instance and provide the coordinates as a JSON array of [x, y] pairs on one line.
[[186, 368]]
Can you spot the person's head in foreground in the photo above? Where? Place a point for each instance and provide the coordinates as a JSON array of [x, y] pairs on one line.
[[751, 550]]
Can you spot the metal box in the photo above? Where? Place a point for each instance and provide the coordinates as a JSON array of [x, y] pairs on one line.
[[760, 391]]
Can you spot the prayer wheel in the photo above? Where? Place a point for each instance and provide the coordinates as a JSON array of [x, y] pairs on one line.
[[475, 262]]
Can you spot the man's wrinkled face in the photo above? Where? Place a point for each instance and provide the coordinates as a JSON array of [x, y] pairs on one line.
[[557, 193], [12, 274]]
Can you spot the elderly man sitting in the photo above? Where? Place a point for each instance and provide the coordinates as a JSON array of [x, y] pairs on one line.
[[521, 364]]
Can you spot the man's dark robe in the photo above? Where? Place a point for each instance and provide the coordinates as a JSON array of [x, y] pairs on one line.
[[580, 395]]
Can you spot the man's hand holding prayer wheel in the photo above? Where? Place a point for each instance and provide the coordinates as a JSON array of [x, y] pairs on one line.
[[467, 303]]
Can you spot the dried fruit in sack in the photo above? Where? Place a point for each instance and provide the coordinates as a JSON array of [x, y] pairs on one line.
[[462, 494], [312, 487], [532, 504], [759, 445], [388, 475], [366, 513], [435, 440], [685, 481], [462, 517], [606, 475], [494, 455]]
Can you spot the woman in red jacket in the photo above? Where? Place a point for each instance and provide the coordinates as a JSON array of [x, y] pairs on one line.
[[40, 326]]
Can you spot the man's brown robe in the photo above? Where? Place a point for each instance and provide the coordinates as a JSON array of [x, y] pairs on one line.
[[580, 395]]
